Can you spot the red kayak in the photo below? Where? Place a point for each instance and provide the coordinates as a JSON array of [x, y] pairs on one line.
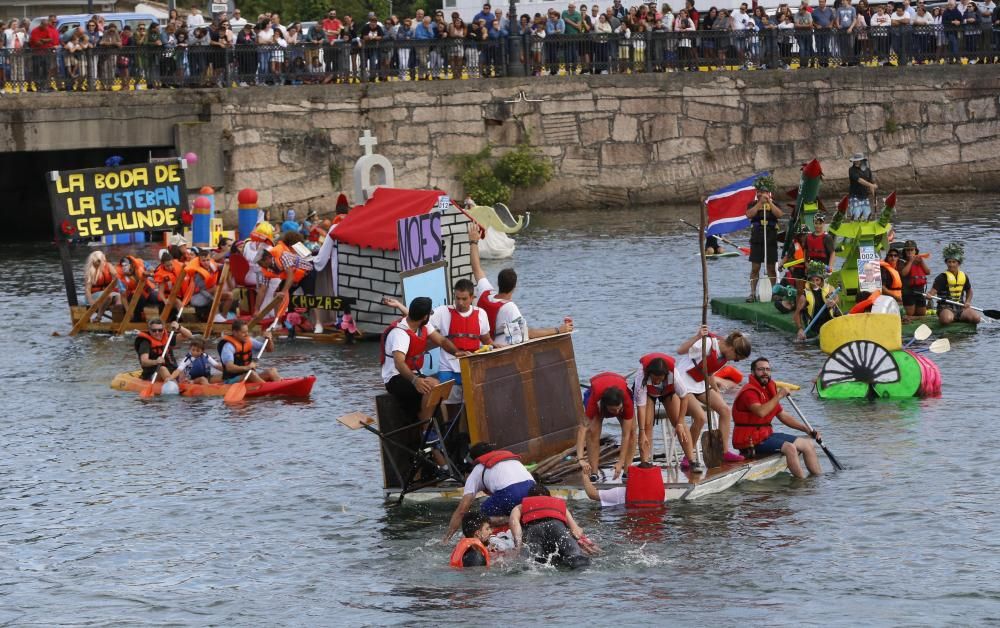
[[290, 387]]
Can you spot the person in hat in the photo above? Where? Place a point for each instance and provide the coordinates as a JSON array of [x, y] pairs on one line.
[[862, 187], [914, 271], [816, 292], [956, 287]]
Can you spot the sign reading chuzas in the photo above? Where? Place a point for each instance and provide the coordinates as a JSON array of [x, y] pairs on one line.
[[317, 302], [105, 201]]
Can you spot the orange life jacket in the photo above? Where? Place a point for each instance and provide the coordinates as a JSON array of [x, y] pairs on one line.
[[644, 488], [276, 252], [157, 347], [541, 507], [750, 429], [895, 287], [865, 306], [242, 357], [465, 545], [195, 267], [166, 275], [138, 277], [104, 277]]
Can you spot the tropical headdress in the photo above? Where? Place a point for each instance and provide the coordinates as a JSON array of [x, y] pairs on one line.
[[954, 250]]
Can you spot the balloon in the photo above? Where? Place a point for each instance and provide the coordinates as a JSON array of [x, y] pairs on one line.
[[192, 158], [170, 388]]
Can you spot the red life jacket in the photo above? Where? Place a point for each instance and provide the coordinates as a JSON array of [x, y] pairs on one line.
[[492, 458], [816, 247], [916, 279], [750, 429], [667, 387], [644, 488], [543, 507], [415, 352], [465, 545], [491, 308], [714, 361], [599, 384], [464, 330]]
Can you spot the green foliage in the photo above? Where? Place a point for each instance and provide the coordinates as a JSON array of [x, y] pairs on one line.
[[490, 181], [765, 183]]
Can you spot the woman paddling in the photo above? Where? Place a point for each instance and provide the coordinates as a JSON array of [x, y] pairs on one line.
[[689, 378]]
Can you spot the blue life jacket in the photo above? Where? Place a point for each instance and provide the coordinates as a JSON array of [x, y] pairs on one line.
[[200, 367]]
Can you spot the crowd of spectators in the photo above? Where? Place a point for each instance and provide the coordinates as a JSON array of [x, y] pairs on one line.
[[188, 50]]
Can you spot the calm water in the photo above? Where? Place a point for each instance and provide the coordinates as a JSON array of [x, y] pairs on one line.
[[115, 511]]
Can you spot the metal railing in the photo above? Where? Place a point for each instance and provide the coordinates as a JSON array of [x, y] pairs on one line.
[[154, 67]]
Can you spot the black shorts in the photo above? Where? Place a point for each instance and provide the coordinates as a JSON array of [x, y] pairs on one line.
[[406, 394], [757, 245], [915, 299], [308, 283]]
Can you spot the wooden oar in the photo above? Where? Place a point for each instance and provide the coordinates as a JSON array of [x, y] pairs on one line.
[[712, 446], [994, 314], [787, 385], [920, 333], [238, 391], [812, 432], [941, 345], [223, 276], [147, 392], [259, 316], [174, 291], [98, 305], [742, 249], [132, 303]]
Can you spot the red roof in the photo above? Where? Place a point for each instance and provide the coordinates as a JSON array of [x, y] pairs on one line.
[[373, 225]]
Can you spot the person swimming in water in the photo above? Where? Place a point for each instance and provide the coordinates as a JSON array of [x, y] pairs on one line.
[[546, 529]]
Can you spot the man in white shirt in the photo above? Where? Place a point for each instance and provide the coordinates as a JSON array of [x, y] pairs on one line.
[[466, 326], [194, 18], [498, 473], [236, 23], [507, 325]]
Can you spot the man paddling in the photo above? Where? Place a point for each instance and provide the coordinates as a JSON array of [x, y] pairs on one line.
[[238, 354], [956, 286], [811, 300], [498, 473], [154, 354], [756, 405], [507, 325]]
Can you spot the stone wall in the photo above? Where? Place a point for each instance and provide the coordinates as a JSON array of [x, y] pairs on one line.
[[614, 140]]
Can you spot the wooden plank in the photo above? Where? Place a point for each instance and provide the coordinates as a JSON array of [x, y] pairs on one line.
[[438, 394], [355, 420], [174, 290], [82, 322], [525, 397], [215, 300], [130, 310], [259, 316]]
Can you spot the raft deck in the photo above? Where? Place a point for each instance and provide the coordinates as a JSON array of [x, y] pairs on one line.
[[765, 314], [680, 485]]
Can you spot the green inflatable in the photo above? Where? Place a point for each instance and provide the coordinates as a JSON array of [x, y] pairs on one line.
[[836, 381]]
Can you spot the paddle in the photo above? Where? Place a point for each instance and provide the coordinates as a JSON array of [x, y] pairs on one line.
[[744, 250], [238, 391], [941, 345], [147, 392], [711, 441], [920, 333], [829, 454], [820, 312], [994, 314], [764, 283]]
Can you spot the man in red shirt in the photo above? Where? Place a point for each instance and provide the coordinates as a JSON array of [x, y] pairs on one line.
[[43, 41], [332, 26]]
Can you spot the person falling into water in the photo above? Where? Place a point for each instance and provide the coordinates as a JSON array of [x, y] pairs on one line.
[[756, 405], [956, 286]]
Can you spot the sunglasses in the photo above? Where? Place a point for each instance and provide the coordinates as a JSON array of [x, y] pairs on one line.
[[158, 330]]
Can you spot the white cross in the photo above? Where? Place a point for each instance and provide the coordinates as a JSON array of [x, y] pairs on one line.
[[368, 141]]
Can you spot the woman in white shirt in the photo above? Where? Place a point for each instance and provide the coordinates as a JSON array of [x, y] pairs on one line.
[[265, 39], [880, 34]]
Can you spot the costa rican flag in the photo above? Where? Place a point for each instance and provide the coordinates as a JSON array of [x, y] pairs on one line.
[[727, 207]]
